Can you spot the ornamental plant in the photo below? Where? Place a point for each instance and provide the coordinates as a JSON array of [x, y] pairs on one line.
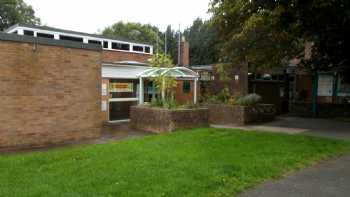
[[164, 82]]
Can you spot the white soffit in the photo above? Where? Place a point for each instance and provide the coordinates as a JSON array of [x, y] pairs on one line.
[[122, 71]]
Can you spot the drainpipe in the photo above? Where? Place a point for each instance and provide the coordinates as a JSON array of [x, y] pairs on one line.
[[163, 89], [141, 94], [195, 91], [314, 93], [335, 87]]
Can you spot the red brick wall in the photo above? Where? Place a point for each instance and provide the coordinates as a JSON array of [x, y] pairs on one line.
[[49, 94], [185, 54], [182, 97], [117, 56], [304, 86], [237, 87]]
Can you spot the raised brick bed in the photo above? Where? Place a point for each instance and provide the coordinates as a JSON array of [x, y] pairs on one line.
[[159, 120], [240, 115]]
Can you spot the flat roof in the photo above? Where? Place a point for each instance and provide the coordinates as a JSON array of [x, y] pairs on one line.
[[47, 41], [202, 67], [48, 28]]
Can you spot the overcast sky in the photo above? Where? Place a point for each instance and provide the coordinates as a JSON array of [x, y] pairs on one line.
[[93, 15]]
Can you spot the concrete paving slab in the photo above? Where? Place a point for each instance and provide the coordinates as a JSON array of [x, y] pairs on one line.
[[295, 125], [262, 128]]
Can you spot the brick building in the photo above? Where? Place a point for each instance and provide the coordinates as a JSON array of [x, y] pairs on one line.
[[58, 86]]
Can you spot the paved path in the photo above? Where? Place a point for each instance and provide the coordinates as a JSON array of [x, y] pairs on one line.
[[328, 179], [309, 126]]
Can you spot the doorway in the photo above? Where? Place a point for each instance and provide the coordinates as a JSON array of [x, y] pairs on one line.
[[123, 93]]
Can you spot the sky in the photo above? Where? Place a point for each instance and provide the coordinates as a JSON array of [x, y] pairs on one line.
[[92, 16]]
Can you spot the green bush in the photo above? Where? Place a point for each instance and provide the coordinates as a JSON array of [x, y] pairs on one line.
[[225, 98], [249, 100], [222, 97], [171, 104], [166, 103]]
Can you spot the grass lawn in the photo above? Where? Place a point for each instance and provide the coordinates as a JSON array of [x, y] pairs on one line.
[[343, 119], [201, 162]]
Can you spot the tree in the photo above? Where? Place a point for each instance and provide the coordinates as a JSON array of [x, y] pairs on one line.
[[136, 32], [269, 32], [253, 32], [202, 37], [172, 43], [16, 11]]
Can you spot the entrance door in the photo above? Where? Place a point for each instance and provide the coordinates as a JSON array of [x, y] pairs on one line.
[[122, 95]]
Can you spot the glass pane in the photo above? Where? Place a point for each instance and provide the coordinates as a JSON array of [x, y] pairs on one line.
[[120, 110], [186, 87], [119, 88]]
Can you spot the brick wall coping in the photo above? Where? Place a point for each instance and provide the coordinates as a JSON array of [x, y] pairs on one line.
[[166, 109], [47, 41]]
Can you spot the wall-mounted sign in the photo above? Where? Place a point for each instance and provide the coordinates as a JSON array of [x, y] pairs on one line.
[[104, 89], [325, 85], [121, 87], [104, 106]]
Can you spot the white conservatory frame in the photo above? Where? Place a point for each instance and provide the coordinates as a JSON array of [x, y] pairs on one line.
[[176, 72]]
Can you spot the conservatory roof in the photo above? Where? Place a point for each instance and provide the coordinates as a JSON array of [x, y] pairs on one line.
[[177, 72]]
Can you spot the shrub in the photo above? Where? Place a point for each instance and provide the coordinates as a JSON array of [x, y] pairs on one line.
[[172, 104], [249, 100], [222, 97]]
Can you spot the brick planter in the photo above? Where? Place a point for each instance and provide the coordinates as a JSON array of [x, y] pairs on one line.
[[240, 115], [159, 120]]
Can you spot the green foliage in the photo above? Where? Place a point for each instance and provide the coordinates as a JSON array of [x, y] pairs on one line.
[[223, 71], [165, 84], [248, 100], [270, 33], [161, 61], [197, 162], [253, 34], [202, 37], [137, 32], [224, 97], [171, 104], [16, 11], [168, 103], [172, 43]]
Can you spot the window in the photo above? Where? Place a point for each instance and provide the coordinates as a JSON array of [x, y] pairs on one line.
[[120, 46], [186, 87], [71, 38], [205, 76], [42, 35], [94, 42], [28, 33], [137, 48], [15, 32], [343, 84], [147, 49], [105, 44]]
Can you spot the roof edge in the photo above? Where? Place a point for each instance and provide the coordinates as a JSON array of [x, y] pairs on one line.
[[47, 41], [49, 28]]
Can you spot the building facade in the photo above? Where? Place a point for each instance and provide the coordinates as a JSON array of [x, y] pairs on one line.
[[58, 86]]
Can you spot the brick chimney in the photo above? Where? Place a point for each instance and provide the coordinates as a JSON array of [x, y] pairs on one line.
[[184, 53]]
